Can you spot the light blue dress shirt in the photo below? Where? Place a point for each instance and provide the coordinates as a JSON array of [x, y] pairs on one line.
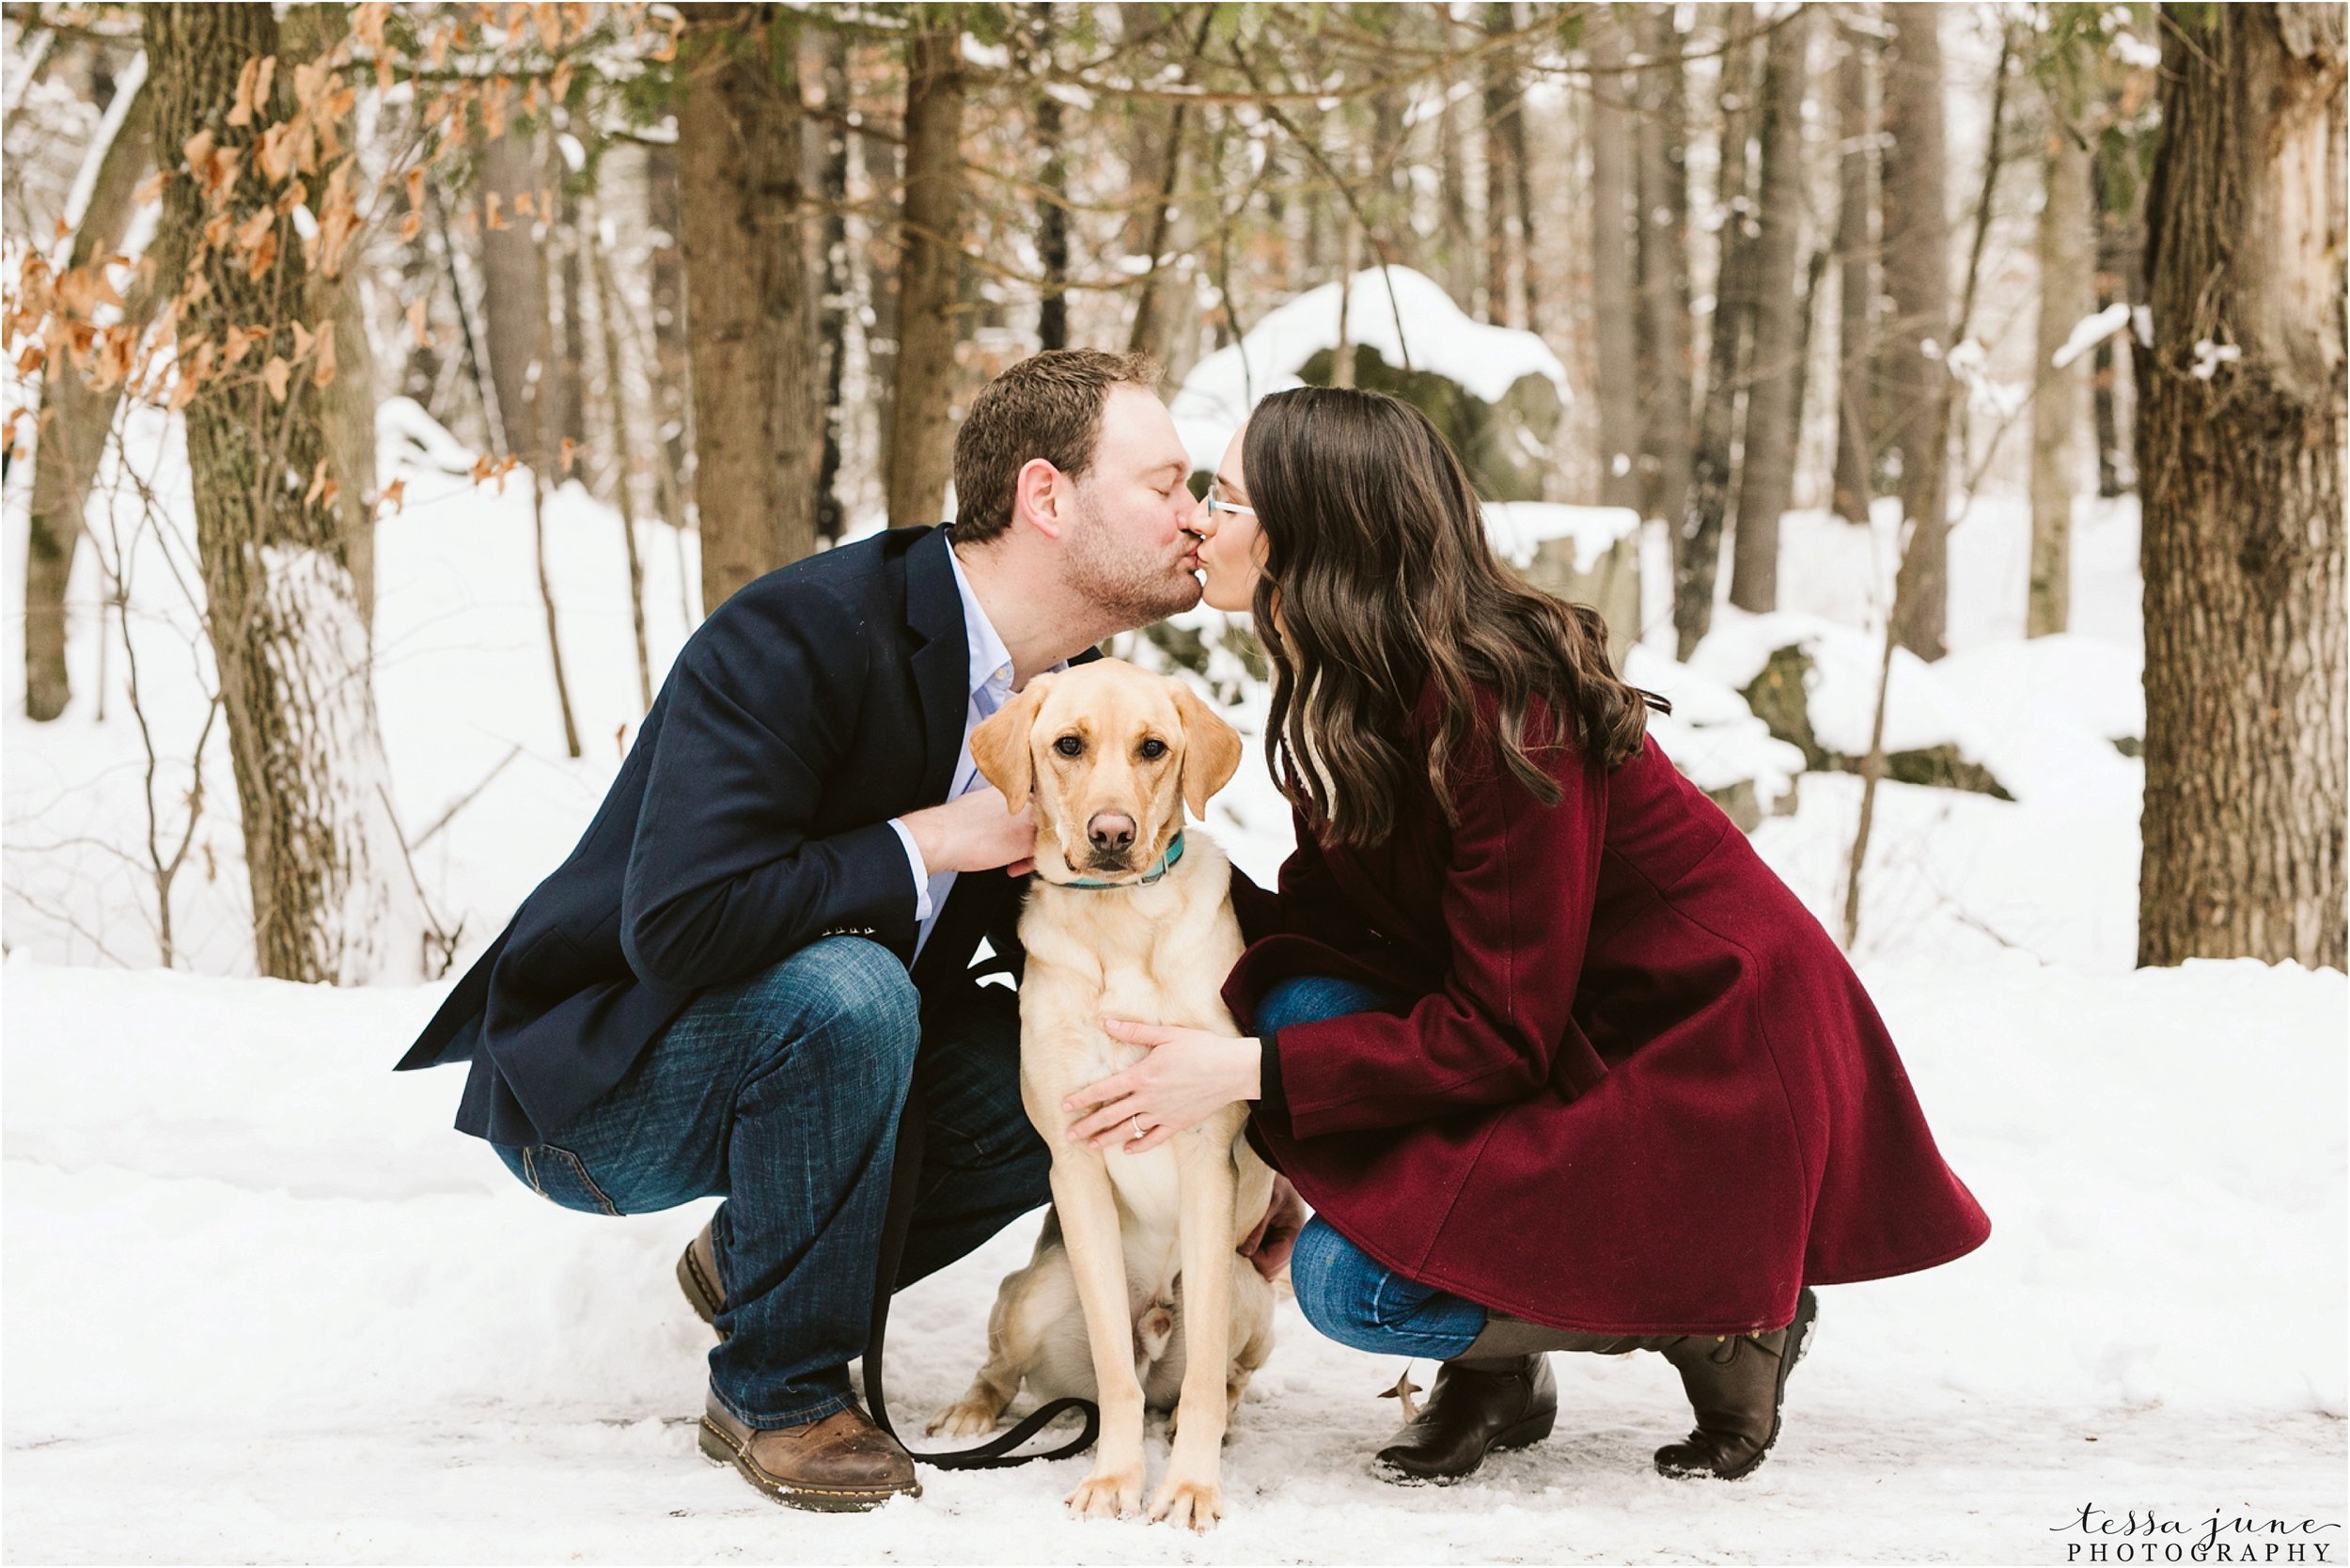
[[991, 688]]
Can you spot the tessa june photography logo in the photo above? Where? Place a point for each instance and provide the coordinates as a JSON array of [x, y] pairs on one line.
[[2097, 1535]]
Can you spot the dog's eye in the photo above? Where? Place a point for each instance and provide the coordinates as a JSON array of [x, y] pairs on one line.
[[1069, 745], [1153, 750]]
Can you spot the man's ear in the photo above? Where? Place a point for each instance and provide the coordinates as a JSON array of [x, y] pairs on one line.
[[1211, 749], [1000, 745], [1037, 491]]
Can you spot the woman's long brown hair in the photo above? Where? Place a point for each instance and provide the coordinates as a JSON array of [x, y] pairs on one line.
[[1378, 563]]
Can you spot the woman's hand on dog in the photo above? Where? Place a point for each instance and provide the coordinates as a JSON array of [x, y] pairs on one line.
[[1189, 1076]]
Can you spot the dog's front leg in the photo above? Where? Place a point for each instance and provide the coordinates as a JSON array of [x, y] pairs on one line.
[[1192, 1492], [1088, 1219]]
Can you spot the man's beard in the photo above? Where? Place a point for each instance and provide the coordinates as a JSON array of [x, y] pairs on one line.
[[1126, 584]]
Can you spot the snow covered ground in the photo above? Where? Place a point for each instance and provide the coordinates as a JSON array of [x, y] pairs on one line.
[[262, 1305]]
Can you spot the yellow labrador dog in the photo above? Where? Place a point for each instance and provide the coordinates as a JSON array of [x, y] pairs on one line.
[[1129, 917]]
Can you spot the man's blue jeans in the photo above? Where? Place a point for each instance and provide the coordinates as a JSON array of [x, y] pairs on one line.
[[1344, 1291], [781, 1093]]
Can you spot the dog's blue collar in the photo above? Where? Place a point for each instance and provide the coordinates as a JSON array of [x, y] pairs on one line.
[[1166, 863]]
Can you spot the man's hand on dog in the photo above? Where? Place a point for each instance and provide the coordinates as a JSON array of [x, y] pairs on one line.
[[975, 832]]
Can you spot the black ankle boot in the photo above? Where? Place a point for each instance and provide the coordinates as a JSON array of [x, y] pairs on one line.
[[1735, 1386], [1478, 1406]]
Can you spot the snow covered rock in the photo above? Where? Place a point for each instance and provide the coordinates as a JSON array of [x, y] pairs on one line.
[[1814, 683], [1716, 739], [1497, 393]]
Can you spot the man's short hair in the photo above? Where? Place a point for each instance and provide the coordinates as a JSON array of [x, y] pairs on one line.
[[1047, 406]]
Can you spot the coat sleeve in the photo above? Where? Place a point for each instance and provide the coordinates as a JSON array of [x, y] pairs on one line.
[[1519, 888], [724, 877]]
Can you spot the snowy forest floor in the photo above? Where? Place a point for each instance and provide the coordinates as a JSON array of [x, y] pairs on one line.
[[263, 1305]]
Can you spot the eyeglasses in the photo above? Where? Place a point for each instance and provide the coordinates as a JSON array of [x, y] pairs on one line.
[[1217, 503]]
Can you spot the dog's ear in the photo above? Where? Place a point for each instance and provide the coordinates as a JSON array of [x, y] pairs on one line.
[[999, 745], [1211, 749]]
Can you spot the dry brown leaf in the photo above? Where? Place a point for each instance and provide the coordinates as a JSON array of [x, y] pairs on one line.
[[274, 375], [264, 256], [322, 373], [491, 204], [526, 203], [395, 495], [236, 342], [150, 189], [196, 154], [559, 85], [411, 224], [303, 339], [318, 482], [419, 332], [1402, 1393], [569, 454]]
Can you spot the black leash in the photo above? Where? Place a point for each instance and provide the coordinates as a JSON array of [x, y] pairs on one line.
[[995, 1453]]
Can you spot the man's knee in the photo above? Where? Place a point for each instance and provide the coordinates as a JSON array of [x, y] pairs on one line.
[[845, 1000]]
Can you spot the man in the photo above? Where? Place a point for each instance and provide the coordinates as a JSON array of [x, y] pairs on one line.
[[725, 988]]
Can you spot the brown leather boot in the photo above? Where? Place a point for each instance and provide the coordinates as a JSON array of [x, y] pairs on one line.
[[843, 1464], [1735, 1384], [698, 1277], [1477, 1405]]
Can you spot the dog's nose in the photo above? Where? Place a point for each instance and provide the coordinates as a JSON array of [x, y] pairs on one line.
[[1110, 832]]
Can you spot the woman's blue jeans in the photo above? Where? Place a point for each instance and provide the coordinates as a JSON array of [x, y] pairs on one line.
[[781, 1093], [1346, 1294]]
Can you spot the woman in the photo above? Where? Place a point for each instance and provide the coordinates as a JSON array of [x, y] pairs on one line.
[[1557, 1059]]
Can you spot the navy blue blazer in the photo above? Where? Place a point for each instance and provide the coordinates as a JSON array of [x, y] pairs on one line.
[[750, 818]]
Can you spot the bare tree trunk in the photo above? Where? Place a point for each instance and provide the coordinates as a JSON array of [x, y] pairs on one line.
[[544, 406], [671, 367], [570, 344], [1500, 101], [2240, 430], [1156, 304], [348, 402], [75, 418], [513, 288], [1766, 476], [1052, 211], [623, 450], [1522, 188], [750, 322], [1916, 341], [883, 162], [1614, 238], [2067, 212], [1700, 540], [831, 313], [1856, 274], [1664, 209], [928, 323], [291, 645]]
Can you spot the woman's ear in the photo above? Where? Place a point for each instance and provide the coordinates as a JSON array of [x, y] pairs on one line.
[[1211, 749], [999, 745]]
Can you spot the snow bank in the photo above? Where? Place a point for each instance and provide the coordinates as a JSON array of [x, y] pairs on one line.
[[1486, 361], [231, 1230]]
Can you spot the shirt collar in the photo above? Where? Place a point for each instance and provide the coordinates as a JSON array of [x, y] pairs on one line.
[[991, 661]]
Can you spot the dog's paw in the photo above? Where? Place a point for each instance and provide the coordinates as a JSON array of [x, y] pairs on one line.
[[964, 1418], [1196, 1504], [1107, 1494]]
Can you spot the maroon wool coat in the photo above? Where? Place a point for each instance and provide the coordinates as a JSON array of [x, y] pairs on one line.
[[1640, 1091]]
